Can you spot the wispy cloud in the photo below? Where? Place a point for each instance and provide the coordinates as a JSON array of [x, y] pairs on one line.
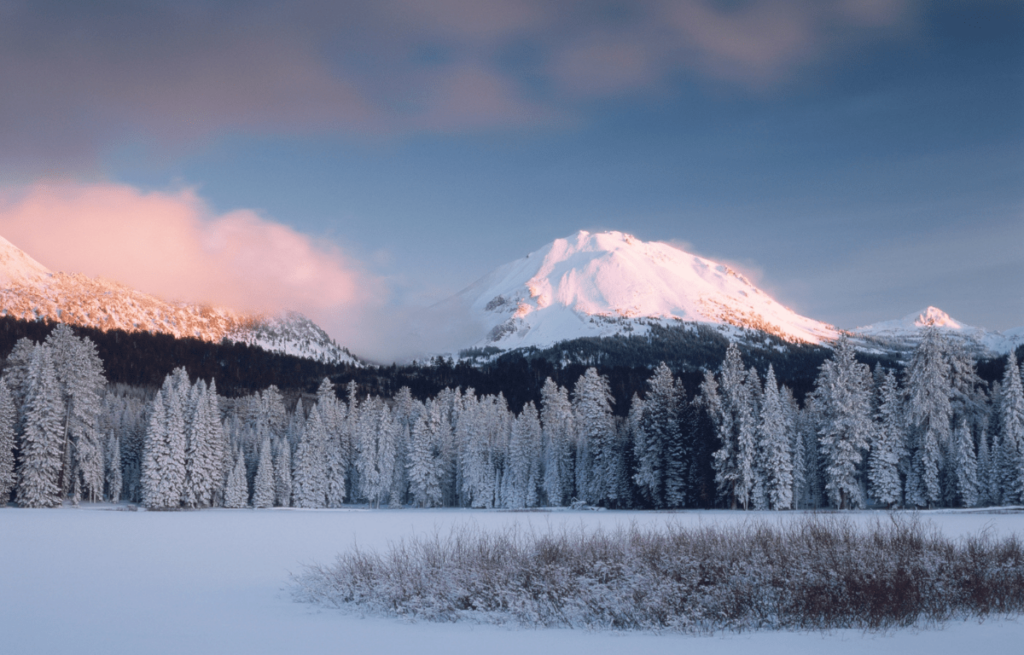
[[81, 77]]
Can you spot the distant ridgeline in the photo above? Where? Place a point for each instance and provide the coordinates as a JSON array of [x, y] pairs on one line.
[[144, 359]]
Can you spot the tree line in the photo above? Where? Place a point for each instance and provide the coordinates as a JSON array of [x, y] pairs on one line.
[[934, 434]]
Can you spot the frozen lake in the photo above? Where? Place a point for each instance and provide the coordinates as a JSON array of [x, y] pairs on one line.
[[96, 580]]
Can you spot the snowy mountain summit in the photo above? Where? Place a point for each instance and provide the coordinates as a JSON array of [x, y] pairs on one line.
[[610, 283], [905, 333], [28, 290]]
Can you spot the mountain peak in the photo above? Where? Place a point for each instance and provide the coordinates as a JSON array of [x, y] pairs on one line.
[[605, 283], [933, 317], [16, 267]]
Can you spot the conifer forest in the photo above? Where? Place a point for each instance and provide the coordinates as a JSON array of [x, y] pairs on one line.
[[928, 433]]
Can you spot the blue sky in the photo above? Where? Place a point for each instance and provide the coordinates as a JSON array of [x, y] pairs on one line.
[[862, 158]]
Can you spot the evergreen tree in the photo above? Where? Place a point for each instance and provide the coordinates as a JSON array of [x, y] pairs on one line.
[[42, 442], [796, 446], [774, 447], [114, 478], [283, 473], [236, 493], [521, 480], [426, 470], [843, 401], [660, 460], [889, 447], [309, 478], [596, 434], [965, 466], [929, 413], [559, 450], [735, 416], [1011, 409], [263, 490], [8, 418]]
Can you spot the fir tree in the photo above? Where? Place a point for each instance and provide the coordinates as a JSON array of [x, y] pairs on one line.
[[114, 478], [929, 413], [8, 418], [965, 465], [309, 478], [236, 492], [596, 434], [283, 473], [774, 447], [425, 463], [735, 417], [42, 444], [843, 401], [263, 489], [889, 445], [1011, 410], [559, 450]]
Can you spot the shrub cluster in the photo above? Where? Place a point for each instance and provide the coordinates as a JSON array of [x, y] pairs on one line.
[[815, 573]]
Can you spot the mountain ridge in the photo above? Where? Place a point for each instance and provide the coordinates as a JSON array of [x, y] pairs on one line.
[[28, 290]]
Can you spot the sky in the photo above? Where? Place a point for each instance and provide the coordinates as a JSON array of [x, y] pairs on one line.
[[859, 159]]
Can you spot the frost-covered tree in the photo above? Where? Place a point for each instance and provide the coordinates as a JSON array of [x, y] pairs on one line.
[[842, 397], [79, 373], [735, 416], [236, 492], [205, 447], [376, 453], [114, 480], [426, 465], [965, 471], [1011, 430], [163, 462], [929, 414], [42, 451], [283, 473], [796, 445], [309, 476], [521, 481], [8, 418], [263, 489], [559, 449], [889, 446], [658, 443], [774, 446], [596, 435]]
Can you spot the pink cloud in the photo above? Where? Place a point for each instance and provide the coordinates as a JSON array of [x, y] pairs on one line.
[[173, 246]]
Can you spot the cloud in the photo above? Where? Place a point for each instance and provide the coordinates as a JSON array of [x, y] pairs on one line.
[[81, 78], [175, 247]]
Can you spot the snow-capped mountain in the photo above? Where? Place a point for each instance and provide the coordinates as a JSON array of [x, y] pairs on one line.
[[611, 283], [28, 290], [905, 333]]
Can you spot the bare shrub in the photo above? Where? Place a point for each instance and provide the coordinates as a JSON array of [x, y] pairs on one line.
[[817, 573]]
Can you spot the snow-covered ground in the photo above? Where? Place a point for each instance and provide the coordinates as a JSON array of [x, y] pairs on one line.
[[95, 580]]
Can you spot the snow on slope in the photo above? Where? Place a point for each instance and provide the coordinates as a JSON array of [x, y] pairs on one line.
[[904, 333], [607, 283], [28, 290]]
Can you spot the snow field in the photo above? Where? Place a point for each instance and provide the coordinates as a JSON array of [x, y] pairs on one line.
[[95, 580]]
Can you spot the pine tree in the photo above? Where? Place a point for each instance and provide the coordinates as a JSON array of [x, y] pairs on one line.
[[42, 443], [929, 413], [263, 490], [236, 493], [425, 465], [1011, 406], [559, 450], [843, 400], [985, 496], [596, 434], [309, 477], [376, 454], [659, 455], [774, 447], [965, 466], [521, 480], [114, 479], [889, 446], [283, 473], [796, 446], [8, 418], [736, 413]]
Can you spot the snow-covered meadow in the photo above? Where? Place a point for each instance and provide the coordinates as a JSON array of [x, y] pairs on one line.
[[100, 580]]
